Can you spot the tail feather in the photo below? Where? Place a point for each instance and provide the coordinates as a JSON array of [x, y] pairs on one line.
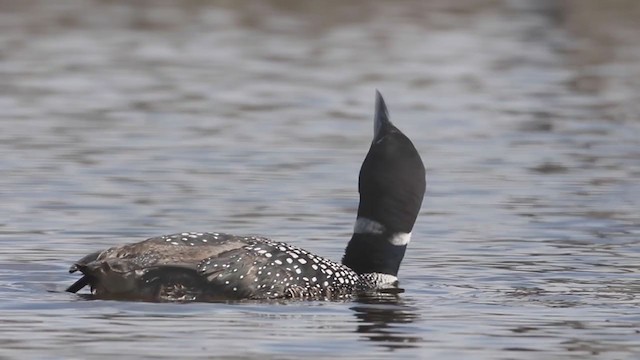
[[81, 266], [82, 282]]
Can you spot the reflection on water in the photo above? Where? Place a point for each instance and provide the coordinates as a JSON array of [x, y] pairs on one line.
[[124, 120], [378, 314]]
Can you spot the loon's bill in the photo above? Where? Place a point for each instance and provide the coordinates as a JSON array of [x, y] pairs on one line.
[[194, 266]]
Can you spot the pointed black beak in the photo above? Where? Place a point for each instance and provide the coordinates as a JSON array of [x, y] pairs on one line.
[[381, 124]]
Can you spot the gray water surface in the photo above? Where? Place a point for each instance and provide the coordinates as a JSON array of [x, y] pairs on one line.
[[125, 120]]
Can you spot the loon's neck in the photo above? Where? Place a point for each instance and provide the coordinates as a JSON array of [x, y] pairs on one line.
[[375, 249], [391, 187]]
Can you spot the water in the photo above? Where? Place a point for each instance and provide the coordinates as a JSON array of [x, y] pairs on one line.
[[124, 120]]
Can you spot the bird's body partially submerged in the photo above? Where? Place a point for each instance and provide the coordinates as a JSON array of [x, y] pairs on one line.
[[213, 266]]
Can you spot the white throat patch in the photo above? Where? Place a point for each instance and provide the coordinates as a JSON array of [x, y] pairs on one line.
[[368, 226], [400, 239]]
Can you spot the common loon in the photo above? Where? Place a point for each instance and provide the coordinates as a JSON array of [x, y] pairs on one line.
[[194, 266]]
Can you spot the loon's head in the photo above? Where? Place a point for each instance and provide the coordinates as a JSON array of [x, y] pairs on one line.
[[391, 185]]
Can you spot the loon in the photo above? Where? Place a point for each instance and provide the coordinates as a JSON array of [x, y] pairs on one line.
[[200, 266]]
